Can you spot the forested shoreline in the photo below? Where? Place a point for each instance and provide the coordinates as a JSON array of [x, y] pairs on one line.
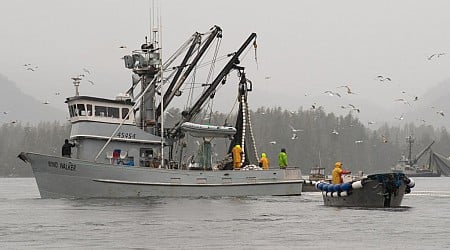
[[320, 139]]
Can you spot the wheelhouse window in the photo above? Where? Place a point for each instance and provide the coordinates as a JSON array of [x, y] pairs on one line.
[[103, 111], [89, 109], [113, 112], [81, 110], [71, 111], [100, 111], [124, 113]]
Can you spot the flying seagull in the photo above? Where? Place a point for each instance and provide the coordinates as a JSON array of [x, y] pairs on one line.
[[273, 142], [331, 93], [87, 71], [349, 91], [382, 78], [294, 129], [437, 55], [294, 136], [400, 118]]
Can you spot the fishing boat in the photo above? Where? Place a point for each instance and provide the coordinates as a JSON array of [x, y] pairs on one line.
[[409, 165], [123, 148], [373, 191], [317, 174]]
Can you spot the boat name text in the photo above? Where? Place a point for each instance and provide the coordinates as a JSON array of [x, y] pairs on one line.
[[62, 165]]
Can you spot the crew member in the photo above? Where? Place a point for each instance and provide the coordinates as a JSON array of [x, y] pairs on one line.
[[337, 173], [237, 156], [67, 148], [264, 162], [282, 159]]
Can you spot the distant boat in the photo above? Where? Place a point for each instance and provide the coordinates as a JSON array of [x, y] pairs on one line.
[[409, 165], [373, 191], [316, 175]]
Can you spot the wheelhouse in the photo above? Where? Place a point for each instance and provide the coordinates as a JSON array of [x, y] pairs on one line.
[[86, 108]]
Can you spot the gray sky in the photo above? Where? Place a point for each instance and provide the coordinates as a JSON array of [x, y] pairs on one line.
[[304, 47]]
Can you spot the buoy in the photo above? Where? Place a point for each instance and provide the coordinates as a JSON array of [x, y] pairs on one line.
[[330, 188], [343, 194], [357, 185], [337, 188], [346, 186], [411, 183]]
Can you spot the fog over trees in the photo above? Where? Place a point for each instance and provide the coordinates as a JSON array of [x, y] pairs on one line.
[[320, 138]]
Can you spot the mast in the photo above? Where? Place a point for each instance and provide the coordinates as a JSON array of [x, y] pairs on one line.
[[178, 81], [232, 64]]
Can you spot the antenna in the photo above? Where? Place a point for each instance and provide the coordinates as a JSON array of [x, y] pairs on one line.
[[161, 77], [76, 83]]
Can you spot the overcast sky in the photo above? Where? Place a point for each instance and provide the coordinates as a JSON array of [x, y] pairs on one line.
[[304, 47]]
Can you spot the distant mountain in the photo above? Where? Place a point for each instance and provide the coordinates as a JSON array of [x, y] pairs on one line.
[[18, 106]]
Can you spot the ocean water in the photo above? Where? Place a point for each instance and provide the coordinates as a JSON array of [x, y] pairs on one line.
[[293, 222]]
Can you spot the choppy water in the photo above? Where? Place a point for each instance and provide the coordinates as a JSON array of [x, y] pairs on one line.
[[302, 222]]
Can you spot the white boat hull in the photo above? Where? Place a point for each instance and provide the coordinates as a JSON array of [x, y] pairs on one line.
[[59, 177]]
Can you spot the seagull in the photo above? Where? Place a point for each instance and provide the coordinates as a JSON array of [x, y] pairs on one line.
[[273, 142], [351, 105], [349, 91], [370, 123], [440, 112], [435, 55], [402, 100], [294, 136], [267, 77], [122, 47], [57, 93], [331, 93], [416, 98], [313, 106], [358, 141], [27, 64], [294, 129], [400, 118], [384, 139], [343, 107], [87, 71], [334, 132], [15, 121], [46, 102], [382, 78], [31, 69], [91, 82]]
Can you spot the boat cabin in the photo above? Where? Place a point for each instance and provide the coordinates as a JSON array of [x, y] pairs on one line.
[[87, 108]]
